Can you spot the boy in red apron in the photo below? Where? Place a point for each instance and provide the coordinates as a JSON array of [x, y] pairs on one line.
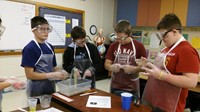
[[120, 60], [176, 69]]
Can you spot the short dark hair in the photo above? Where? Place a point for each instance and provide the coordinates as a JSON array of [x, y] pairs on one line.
[[0, 20], [78, 32], [123, 26], [38, 20], [169, 21]]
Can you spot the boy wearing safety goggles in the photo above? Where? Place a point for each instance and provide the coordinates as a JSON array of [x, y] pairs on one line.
[[39, 61], [82, 56], [121, 61], [176, 69]]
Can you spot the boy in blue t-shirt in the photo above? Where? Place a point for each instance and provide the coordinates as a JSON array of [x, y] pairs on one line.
[[39, 62]]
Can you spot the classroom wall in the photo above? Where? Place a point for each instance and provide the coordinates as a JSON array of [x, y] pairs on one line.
[[97, 12], [146, 33]]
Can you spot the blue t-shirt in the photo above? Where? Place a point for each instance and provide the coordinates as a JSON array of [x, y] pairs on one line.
[[31, 54]]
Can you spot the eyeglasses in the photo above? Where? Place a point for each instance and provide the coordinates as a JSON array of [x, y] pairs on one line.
[[121, 38], [42, 29], [162, 35], [117, 37]]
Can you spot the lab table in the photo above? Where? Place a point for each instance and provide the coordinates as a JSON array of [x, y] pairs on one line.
[[79, 104]]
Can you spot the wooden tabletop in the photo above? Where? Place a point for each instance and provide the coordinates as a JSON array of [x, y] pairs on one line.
[[79, 104]]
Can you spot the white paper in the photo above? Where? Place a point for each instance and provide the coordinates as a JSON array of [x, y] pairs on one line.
[[57, 36], [74, 22], [99, 101], [52, 109], [154, 41]]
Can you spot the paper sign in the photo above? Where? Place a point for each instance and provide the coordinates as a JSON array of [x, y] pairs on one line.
[[99, 101], [154, 41]]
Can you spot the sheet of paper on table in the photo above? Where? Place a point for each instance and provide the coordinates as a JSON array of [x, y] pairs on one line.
[[52, 109], [99, 101]]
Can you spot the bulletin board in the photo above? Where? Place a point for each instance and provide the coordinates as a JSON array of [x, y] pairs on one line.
[[63, 20], [17, 22]]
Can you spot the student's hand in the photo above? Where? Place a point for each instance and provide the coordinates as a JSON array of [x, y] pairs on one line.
[[19, 85], [87, 73], [11, 80], [55, 76], [152, 70], [142, 62], [129, 69], [115, 67], [66, 74]]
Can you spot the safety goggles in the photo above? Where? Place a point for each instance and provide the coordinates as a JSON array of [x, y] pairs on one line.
[[162, 35], [43, 29], [79, 41], [121, 38]]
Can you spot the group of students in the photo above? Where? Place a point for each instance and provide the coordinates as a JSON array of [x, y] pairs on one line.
[[174, 70], [168, 78]]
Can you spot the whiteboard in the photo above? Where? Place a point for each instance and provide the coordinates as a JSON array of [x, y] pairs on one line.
[[16, 17]]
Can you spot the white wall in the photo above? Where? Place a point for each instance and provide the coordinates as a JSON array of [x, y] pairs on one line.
[[97, 12]]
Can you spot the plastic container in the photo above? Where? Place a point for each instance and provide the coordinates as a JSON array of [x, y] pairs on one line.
[[69, 88]]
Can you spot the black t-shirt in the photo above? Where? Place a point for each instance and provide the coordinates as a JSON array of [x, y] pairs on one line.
[[81, 53]]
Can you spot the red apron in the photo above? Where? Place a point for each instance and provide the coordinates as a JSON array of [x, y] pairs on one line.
[[159, 94], [122, 80]]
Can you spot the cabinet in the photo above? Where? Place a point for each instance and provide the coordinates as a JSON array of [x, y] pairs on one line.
[[179, 7], [193, 16], [127, 9], [166, 7], [148, 12]]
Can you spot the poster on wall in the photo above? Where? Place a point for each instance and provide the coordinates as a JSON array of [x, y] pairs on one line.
[[154, 41], [185, 36], [146, 38], [195, 42], [57, 36], [137, 35]]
